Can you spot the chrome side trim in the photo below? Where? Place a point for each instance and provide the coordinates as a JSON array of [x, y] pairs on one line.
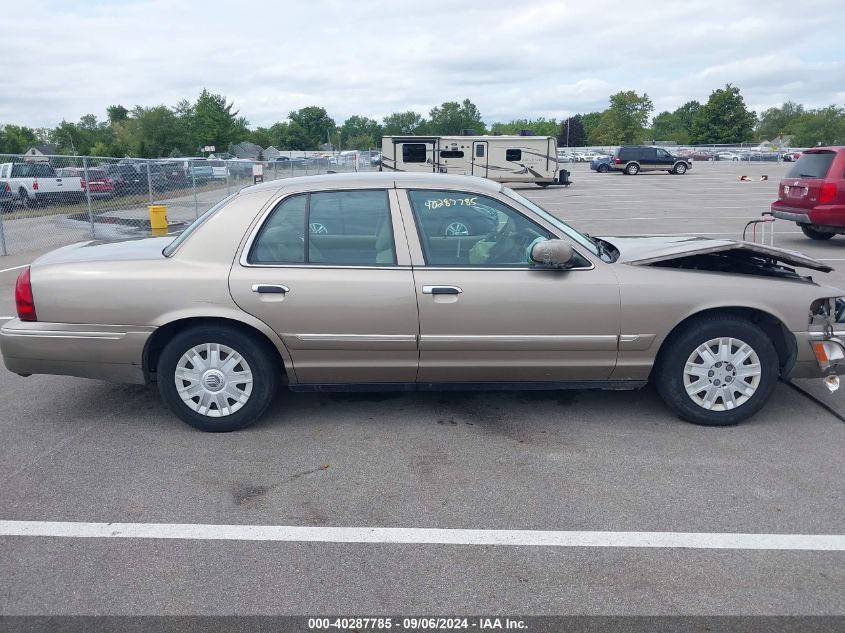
[[358, 343], [498, 342], [110, 336], [370, 338]]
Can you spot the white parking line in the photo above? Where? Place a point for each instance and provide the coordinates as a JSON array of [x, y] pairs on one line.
[[5, 270], [425, 536]]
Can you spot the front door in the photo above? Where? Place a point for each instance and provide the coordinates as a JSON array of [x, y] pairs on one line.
[[488, 314], [664, 159], [325, 272]]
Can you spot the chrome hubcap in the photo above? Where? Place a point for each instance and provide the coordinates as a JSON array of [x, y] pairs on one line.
[[722, 374], [213, 379], [457, 228]]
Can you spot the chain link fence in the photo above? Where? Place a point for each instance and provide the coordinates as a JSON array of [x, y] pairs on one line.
[[51, 201]]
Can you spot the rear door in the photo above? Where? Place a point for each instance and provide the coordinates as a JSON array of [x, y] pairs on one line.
[[801, 188], [330, 272]]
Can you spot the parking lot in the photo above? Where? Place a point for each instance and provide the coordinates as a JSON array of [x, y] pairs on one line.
[[563, 461]]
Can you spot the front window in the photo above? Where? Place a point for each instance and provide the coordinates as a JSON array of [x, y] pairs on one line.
[[466, 229]]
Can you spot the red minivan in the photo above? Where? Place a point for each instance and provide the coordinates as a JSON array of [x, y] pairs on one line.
[[813, 193]]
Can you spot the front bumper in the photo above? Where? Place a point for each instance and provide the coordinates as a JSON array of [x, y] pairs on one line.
[[817, 361], [104, 352]]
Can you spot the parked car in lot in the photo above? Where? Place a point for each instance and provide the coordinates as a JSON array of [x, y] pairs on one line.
[[632, 159], [731, 156], [701, 155], [240, 167], [218, 168], [252, 296], [812, 194], [7, 200], [564, 156], [36, 183], [197, 170], [601, 164], [790, 157], [126, 179], [98, 184]]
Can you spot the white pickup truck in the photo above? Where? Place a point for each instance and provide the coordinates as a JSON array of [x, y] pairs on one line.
[[34, 184]]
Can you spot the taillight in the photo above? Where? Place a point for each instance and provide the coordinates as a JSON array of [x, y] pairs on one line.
[[35, 185], [617, 161], [828, 192], [8, 188], [23, 297], [82, 183]]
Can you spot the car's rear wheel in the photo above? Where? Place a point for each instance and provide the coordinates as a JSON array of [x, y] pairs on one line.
[[217, 379], [632, 169], [680, 169], [815, 234], [603, 169], [717, 371]]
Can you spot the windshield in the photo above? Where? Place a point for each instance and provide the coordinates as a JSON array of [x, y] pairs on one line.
[[184, 235], [580, 238]]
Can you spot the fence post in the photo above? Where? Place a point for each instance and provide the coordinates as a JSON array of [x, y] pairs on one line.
[[227, 181], [194, 181], [88, 195], [148, 164], [3, 250]]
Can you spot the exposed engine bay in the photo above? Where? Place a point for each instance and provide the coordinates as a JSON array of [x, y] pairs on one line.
[[734, 261]]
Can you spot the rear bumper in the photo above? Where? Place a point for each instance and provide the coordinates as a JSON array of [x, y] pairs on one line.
[[822, 215], [103, 352]]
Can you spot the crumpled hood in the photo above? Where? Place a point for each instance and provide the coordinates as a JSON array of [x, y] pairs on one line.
[[145, 248], [641, 251]]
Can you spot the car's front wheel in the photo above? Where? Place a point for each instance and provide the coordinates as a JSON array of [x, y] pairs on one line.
[[680, 169], [815, 234], [717, 371], [217, 379]]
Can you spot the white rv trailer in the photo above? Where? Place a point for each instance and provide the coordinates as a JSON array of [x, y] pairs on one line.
[[500, 158]]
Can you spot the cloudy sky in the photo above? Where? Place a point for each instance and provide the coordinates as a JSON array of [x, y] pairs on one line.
[[63, 59]]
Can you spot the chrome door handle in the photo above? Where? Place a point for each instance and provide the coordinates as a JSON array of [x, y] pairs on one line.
[[441, 290], [270, 289]]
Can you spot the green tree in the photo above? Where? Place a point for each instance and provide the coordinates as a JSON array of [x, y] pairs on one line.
[[365, 133], [403, 123], [16, 139], [667, 126], [309, 127], [211, 121], [624, 121], [117, 113], [451, 117], [590, 121], [156, 130], [540, 127], [572, 133], [779, 120], [261, 136], [825, 126], [723, 119]]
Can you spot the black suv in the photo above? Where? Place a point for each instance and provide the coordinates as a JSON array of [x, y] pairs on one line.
[[632, 159]]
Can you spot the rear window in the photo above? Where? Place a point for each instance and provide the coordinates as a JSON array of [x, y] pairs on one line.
[[451, 153], [812, 165], [513, 154]]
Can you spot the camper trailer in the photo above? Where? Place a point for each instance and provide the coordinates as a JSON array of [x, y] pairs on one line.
[[500, 158]]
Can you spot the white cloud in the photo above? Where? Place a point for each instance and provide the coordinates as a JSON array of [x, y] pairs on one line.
[[549, 58]]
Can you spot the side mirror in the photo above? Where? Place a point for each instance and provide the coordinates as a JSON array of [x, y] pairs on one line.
[[552, 253]]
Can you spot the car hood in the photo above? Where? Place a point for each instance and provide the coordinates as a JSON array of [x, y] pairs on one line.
[[642, 251], [144, 248]]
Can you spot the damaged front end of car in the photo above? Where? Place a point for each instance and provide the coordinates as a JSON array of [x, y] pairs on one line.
[[829, 347]]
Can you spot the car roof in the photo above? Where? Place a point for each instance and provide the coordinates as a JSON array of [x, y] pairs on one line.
[[382, 179]]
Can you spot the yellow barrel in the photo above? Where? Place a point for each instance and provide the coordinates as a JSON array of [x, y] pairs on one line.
[[158, 219]]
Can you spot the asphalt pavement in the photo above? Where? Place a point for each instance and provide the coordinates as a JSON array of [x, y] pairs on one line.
[[83, 451]]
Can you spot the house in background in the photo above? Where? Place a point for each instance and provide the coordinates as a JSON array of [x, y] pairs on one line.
[[247, 150], [40, 152], [271, 153]]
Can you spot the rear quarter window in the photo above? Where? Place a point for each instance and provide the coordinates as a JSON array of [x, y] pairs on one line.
[[812, 165]]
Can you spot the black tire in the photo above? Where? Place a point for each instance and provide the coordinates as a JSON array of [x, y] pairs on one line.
[[603, 169], [670, 379], [814, 234], [680, 169], [264, 366], [632, 169], [543, 184]]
